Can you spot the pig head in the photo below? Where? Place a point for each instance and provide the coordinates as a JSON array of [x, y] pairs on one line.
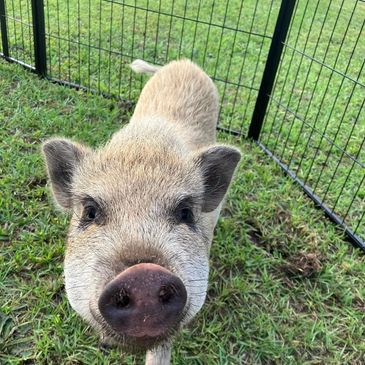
[[144, 207]]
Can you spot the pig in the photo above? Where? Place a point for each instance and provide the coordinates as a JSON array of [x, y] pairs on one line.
[[143, 210]]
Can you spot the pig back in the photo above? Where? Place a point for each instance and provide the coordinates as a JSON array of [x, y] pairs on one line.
[[182, 95]]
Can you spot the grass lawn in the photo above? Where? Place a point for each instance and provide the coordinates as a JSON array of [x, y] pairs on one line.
[[285, 288]]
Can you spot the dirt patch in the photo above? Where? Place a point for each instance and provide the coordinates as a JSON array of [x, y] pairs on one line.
[[299, 306], [283, 216], [256, 237], [227, 211], [255, 234], [28, 362], [302, 264], [271, 246], [271, 240], [35, 181], [287, 282], [334, 300], [57, 296], [359, 304], [125, 109], [126, 105]]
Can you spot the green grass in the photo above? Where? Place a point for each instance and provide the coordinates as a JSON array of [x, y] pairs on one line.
[[285, 287]]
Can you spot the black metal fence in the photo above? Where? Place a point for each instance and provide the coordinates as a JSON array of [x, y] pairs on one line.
[[290, 73]]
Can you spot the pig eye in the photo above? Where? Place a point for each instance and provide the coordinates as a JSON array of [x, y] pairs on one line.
[[91, 213], [184, 215]]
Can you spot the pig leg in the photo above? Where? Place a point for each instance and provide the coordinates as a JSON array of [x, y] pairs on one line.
[[159, 356]]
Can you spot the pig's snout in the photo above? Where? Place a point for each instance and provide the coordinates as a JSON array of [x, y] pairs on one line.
[[145, 300]]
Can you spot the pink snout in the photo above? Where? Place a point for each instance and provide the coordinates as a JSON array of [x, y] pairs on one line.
[[143, 301]]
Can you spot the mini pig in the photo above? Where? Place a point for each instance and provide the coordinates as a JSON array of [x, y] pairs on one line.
[[144, 207]]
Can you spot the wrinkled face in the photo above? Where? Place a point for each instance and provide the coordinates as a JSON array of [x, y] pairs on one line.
[[136, 264]]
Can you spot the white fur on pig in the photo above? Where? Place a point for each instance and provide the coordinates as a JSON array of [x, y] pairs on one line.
[[158, 158]]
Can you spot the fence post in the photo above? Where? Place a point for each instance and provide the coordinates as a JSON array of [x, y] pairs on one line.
[[271, 67], [39, 36], [4, 29]]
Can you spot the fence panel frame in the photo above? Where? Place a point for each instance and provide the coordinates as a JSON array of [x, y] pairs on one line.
[[39, 36], [271, 68], [4, 30]]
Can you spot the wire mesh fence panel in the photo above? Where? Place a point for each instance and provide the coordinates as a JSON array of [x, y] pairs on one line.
[[91, 43], [19, 31], [315, 123]]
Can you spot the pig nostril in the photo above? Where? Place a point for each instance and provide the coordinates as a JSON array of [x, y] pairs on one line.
[[166, 293], [121, 299]]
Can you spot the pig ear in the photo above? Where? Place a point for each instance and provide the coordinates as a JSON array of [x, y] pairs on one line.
[[218, 164], [62, 158]]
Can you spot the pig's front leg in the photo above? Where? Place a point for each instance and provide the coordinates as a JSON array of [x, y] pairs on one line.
[[161, 355]]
